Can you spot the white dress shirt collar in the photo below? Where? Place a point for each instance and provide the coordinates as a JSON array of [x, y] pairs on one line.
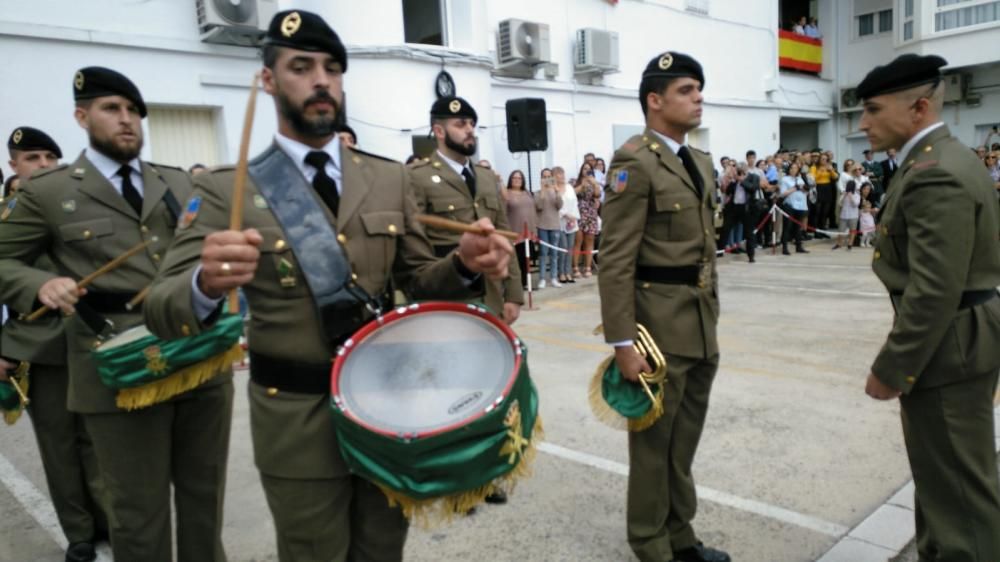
[[458, 167], [905, 151], [674, 145], [297, 151], [109, 167]]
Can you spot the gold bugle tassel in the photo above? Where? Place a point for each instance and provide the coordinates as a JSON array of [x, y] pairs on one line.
[[432, 512], [181, 381], [11, 417]]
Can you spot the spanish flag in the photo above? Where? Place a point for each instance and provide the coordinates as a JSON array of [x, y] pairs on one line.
[[799, 52]]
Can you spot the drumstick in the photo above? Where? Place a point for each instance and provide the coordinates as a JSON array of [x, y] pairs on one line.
[[239, 184], [17, 387], [456, 226], [110, 266], [138, 298]]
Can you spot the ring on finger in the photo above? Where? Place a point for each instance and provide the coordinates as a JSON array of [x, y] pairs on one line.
[[226, 268]]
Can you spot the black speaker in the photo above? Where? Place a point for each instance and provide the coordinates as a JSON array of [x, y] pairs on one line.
[[526, 127]]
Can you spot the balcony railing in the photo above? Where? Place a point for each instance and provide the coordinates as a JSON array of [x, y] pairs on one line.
[[798, 52]]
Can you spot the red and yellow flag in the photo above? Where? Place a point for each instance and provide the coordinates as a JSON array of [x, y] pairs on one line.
[[799, 52]]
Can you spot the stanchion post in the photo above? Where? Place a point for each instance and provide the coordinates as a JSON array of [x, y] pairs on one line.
[[526, 240]]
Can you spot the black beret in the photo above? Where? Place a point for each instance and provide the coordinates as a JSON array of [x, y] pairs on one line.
[[906, 71], [345, 128], [305, 31], [97, 81], [453, 106], [674, 65], [29, 138]]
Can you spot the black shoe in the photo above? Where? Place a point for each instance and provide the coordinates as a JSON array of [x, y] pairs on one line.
[[801, 251], [752, 260], [701, 553], [498, 497], [80, 552], [785, 252]]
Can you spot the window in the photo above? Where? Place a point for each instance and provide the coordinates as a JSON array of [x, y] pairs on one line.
[[908, 30], [953, 14], [885, 21], [866, 25], [908, 9], [423, 21], [908, 20], [183, 136]]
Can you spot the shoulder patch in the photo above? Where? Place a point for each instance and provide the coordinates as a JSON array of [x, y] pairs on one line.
[[8, 208], [620, 181], [190, 212]]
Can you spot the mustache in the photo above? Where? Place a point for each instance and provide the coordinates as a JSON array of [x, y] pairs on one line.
[[322, 96]]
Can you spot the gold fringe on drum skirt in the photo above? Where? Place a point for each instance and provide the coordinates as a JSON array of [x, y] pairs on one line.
[[178, 382]]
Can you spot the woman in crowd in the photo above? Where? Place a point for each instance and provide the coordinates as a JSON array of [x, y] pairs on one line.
[[588, 194], [826, 192], [522, 218], [851, 171], [569, 216], [547, 204], [793, 201], [849, 215], [601, 171]]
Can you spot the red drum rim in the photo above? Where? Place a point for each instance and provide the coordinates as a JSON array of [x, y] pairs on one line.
[[404, 312]]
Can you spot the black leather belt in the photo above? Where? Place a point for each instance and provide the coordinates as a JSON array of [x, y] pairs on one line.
[[969, 298], [290, 376], [670, 275], [443, 250]]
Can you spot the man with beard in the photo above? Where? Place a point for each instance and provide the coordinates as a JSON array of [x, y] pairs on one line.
[[83, 215], [309, 289], [658, 270], [938, 256], [450, 185], [65, 448]]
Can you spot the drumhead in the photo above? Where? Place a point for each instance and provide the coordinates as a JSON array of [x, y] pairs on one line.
[[126, 337], [425, 369]]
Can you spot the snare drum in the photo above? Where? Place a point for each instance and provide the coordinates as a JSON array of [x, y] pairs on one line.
[[433, 402]]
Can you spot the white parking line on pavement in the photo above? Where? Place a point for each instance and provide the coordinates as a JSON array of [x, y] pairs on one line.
[[39, 507], [808, 290], [708, 494]]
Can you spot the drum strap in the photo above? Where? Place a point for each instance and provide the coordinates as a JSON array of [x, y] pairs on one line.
[[342, 305]]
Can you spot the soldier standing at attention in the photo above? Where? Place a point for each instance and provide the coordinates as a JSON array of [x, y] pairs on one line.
[[450, 185], [939, 257], [67, 454], [658, 269], [84, 215], [309, 288]]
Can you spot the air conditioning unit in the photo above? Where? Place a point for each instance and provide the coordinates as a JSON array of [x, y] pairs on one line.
[[849, 99], [520, 41], [596, 50], [955, 87], [234, 22]]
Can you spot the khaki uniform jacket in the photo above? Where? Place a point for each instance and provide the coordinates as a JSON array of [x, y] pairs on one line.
[[74, 214], [42, 341], [376, 228], [655, 218], [440, 191], [938, 237]]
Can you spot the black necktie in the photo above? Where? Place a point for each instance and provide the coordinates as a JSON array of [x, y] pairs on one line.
[[685, 155], [470, 180], [129, 192], [324, 185]]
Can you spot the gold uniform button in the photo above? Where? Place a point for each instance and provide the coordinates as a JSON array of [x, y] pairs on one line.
[[156, 257], [707, 233], [271, 391], [677, 206], [911, 380], [341, 238], [279, 245], [144, 229], [392, 229], [476, 205], [645, 285], [185, 330], [877, 254], [354, 276], [451, 207], [701, 284], [885, 229], [87, 234]]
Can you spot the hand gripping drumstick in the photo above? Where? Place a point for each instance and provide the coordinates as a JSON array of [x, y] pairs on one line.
[[110, 266], [460, 227], [240, 182]]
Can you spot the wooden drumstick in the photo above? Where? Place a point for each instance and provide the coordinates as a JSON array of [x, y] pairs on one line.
[[240, 182], [110, 266], [460, 227], [138, 298]]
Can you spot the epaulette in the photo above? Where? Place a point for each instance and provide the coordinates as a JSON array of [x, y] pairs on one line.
[[924, 164], [166, 166], [221, 168], [46, 171], [696, 149], [635, 143], [420, 163], [375, 156]]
